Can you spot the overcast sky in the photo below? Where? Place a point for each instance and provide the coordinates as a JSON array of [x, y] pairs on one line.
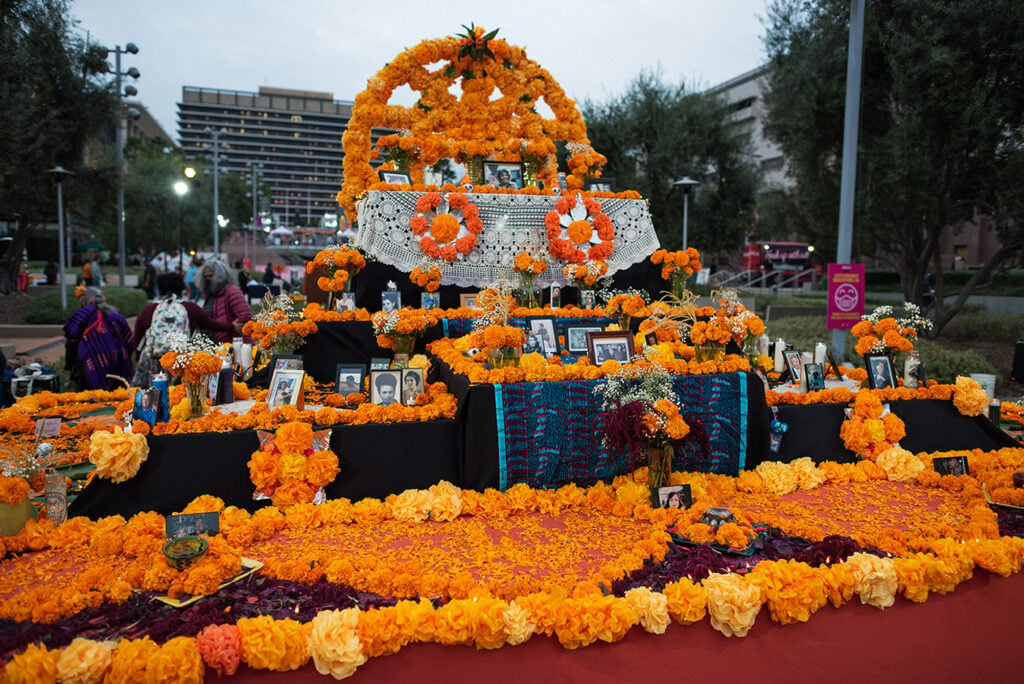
[[593, 48]]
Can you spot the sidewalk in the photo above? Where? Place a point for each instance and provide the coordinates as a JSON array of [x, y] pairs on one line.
[[32, 342]]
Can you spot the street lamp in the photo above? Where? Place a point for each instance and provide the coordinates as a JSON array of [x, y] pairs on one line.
[[254, 170], [60, 172], [216, 133], [130, 91], [181, 189], [685, 183]]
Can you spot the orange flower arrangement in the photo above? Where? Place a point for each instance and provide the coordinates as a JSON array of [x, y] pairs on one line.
[[428, 278], [585, 275], [881, 332], [527, 265], [190, 359], [293, 465], [402, 325], [577, 223], [316, 312], [870, 428], [446, 235], [340, 263], [685, 262], [496, 337], [13, 490]]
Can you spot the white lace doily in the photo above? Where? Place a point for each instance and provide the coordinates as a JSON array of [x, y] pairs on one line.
[[512, 224]]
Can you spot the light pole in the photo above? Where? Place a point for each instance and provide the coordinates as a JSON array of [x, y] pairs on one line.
[[254, 169], [216, 133], [686, 183], [60, 172], [130, 91], [181, 189]]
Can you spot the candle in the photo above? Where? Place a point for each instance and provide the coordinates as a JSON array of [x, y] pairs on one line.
[[819, 353], [780, 346]]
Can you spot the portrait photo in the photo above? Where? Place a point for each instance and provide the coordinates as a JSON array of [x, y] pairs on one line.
[[395, 177], [146, 406], [412, 385], [880, 372], [286, 362], [671, 496], [346, 302], [430, 300], [555, 298], [588, 299], [794, 364], [468, 300], [602, 184], [544, 328], [951, 465], [384, 386], [285, 388], [606, 345], [815, 376], [504, 175], [390, 300], [576, 337], [348, 378], [192, 524]]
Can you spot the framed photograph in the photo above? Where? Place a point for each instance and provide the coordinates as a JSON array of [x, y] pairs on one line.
[[576, 337], [146, 406], [430, 300], [815, 376], [671, 496], [348, 378], [384, 386], [390, 300], [614, 344], [468, 300], [400, 361], [380, 363], [50, 427], [555, 299], [286, 362], [192, 524], [504, 175], [794, 364], [832, 367], [285, 388], [395, 177], [212, 387], [951, 465], [602, 184], [880, 371], [412, 385], [543, 327], [588, 299], [346, 301]]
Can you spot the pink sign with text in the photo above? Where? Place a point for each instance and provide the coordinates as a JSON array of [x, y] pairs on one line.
[[845, 295]]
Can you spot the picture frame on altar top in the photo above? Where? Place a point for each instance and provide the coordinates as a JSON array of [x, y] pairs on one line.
[[384, 386], [672, 496], [286, 362], [602, 184], [880, 371], [286, 389], [390, 300], [468, 300], [191, 524], [380, 363], [951, 465], [348, 378], [555, 299], [395, 177], [543, 327], [430, 300], [400, 361], [145, 405], [346, 301], [576, 337], [588, 299], [794, 364], [412, 385], [609, 344], [508, 175], [815, 377]]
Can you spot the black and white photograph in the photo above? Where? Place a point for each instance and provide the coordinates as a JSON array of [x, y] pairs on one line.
[[412, 385], [384, 386], [880, 372], [544, 328], [794, 364], [285, 388], [192, 524], [609, 345], [286, 362], [395, 177], [555, 299], [430, 300], [672, 496], [951, 465], [588, 299], [380, 363], [576, 337], [815, 376], [602, 184], [348, 378], [507, 175], [346, 302], [390, 300]]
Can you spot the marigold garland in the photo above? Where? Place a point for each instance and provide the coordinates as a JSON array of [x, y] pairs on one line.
[[443, 234], [340, 263], [578, 230]]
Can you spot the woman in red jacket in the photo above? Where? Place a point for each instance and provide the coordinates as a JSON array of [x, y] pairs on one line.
[[223, 301]]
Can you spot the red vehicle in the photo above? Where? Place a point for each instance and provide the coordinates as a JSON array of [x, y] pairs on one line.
[[784, 257]]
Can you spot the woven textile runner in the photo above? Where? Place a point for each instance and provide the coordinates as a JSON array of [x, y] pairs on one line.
[[457, 327], [550, 432]]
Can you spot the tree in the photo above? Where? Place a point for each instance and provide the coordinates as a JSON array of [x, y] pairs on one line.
[[49, 105], [942, 115], [655, 134]]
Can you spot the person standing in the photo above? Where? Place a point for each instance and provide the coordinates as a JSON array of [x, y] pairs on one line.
[[268, 274], [149, 280], [50, 271], [98, 346], [223, 301], [98, 278], [190, 277], [87, 273]]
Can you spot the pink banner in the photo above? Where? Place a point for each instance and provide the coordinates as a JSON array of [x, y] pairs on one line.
[[845, 295]]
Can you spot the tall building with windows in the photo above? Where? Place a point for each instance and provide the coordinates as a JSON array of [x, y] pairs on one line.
[[294, 136]]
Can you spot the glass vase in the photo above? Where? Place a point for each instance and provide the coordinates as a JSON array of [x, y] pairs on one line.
[[196, 393], [709, 351], [475, 169], [659, 465], [14, 516], [751, 351], [679, 277], [503, 357], [404, 344], [624, 320]]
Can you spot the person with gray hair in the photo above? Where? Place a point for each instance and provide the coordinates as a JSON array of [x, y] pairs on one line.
[[99, 343], [223, 301]]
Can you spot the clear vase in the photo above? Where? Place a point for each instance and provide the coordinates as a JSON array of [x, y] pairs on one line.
[[504, 357], [196, 393], [14, 516], [624, 320], [659, 465], [709, 351], [751, 351], [679, 277], [404, 344]]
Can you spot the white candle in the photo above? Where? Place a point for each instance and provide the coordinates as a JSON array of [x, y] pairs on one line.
[[819, 353], [780, 346]]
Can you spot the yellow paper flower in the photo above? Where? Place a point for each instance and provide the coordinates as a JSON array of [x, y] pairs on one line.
[[652, 607], [84, 661], [518, 625], [733, 603], [334, 643], [117, 455], [34, 664], [686, 602], [899, 464], [969, 398], [178, 660], [276, 645], [874, 579]]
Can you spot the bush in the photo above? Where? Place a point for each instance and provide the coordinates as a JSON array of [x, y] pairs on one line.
[[46, 309], [945, 365], [970, 327]]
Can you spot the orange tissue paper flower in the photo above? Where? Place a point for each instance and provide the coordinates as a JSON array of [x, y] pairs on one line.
[[83, 660], [334, 643], [221, 648]]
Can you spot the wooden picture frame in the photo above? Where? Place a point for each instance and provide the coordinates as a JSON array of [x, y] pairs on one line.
[[394, 177], [468, 300], [348, 378], [576, 337], [507, 175], [609, 344], [881, 374], [286, 388], [544, 328], [384, 386]]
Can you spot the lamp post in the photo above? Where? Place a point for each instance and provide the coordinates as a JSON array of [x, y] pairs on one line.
[[130, 91], [60, 172], [216, 133], [181, 189], [686, 183], [254, 169]]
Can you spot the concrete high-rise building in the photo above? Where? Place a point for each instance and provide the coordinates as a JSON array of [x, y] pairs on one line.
[[295, 137]]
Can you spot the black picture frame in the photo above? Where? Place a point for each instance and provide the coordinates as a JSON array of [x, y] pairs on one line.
[[352, 375], [493, 170], [602, 184], [794, 364], [610, 344], [380, 363], [430, 300], [411, 391], [952, 465], [881, 374], [544, 328], [286, 362], [815, 377], [380, 382], [394, 177], [390, 300], [832, 366], [555, 296], [192, 524], [576, 337], [672, 496]]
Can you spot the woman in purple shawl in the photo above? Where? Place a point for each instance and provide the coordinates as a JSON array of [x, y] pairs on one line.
[[99, 343]]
